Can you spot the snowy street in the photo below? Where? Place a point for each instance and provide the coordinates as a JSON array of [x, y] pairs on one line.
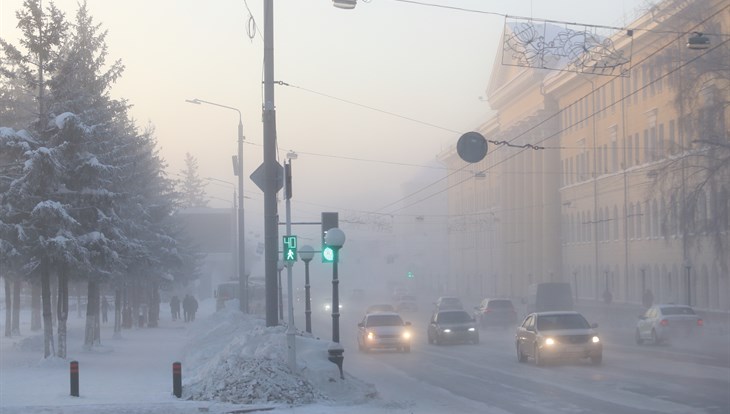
[[133, 374]]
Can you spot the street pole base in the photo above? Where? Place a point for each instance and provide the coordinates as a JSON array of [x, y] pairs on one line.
[[335, 356]]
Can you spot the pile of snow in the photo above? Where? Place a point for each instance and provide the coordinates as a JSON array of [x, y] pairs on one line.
[[235, 358]]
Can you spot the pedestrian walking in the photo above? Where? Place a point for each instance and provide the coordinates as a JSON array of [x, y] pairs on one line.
[[175, 308], [104, 309], [186, 305], [193, 307]]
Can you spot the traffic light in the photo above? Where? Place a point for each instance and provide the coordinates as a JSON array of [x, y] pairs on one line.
[[410, 275], [329, 220]]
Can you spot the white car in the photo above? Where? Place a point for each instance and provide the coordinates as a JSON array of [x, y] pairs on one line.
[[383, 330], [660, 323]]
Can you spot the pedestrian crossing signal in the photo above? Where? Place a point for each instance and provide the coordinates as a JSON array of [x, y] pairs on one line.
[[290, 248]]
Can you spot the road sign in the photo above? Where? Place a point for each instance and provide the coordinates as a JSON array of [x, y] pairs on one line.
[[259, 177], [290, 248]]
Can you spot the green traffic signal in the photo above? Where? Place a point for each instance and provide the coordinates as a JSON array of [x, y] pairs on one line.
[[328, 255], [410, 275]]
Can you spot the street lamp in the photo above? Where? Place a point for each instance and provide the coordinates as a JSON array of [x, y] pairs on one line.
[[238, 171], [335, 238], [306, 252]]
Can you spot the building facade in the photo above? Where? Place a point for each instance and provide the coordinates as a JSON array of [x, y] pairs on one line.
[[629, 189]]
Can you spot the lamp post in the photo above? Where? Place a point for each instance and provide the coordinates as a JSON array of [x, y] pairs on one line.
[[335, 238], [306, 252], [238, 171]]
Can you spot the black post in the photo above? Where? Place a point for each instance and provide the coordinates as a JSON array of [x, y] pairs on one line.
[[177, 379], [281, 301], [307, 299], [74, 378], [335, 300]]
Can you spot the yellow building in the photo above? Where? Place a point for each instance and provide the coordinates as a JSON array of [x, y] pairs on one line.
[[631, 190]]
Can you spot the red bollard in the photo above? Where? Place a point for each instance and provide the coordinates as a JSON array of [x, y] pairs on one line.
[[177, 379], [74, 378]]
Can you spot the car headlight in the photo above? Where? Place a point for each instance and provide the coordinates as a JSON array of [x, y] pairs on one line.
[[447, 330], [549, 341], [595, 340], [371, 336], [327, 307], [472, 329], [406, 335]]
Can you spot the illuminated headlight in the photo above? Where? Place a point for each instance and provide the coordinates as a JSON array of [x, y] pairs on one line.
[[549, 341], [406, 335], [447, 330], [371, 336], [595, 340], [472, 329], [327, 307]]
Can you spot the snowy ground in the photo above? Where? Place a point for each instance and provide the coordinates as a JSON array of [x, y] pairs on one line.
[[231, 363]]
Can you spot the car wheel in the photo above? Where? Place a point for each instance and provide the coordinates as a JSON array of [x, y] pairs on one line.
[[520, 356], [430, 338], [596, 360], [654, 338], [476, 340], [639, 340], [539, 360]]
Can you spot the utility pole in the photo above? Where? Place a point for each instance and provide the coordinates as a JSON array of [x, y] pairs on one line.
[[271, 230]]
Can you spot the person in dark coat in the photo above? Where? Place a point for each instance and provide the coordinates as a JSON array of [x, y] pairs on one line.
[[193, 307], [104, 309], [186, 305], [175, 307]]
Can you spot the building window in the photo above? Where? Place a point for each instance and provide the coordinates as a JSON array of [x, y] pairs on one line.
[[613, 97], [660, 146], [638, 219], [635, 90], [630, 152], [645, 159], [615, 223], [613, 131], [672, 138], [649, 219]]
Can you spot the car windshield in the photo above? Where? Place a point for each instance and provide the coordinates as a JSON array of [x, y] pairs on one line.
[[678, 310], [384, 320], [566, 321], [450, 302], [451, 317]]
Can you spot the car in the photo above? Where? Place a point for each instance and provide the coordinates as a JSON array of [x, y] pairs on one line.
[[407, 303], [380, 307], [383, 330], [660, 323], [327, 305], [549, 296], [452, 326], [496, 312], [556, 335], [448, 303]]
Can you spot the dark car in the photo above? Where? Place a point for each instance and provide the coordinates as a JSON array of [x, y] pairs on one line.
[[452, 326], [448, 303], [496, 312], [554, 335]]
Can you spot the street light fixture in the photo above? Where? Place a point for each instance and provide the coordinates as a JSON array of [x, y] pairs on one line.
[[306, 252], [335, 238], [698, 41], [238, 171], [344, 4]]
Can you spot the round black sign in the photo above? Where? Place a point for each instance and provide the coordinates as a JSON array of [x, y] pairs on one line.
[[472, 147]]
